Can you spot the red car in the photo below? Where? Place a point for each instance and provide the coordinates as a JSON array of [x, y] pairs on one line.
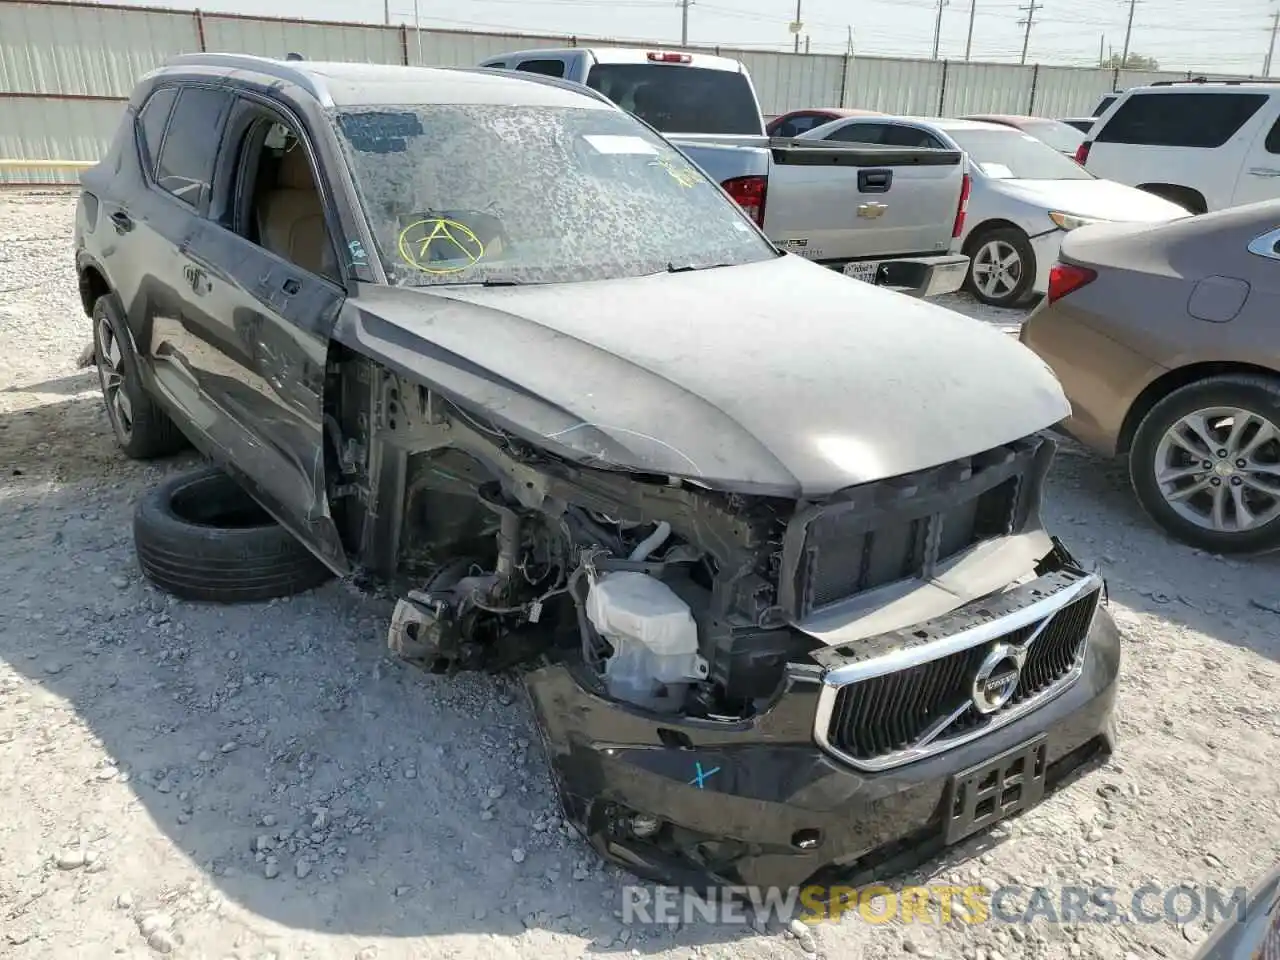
[[801, 121]]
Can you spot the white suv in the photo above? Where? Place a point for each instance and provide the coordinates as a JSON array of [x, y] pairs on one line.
[[1204, 145]]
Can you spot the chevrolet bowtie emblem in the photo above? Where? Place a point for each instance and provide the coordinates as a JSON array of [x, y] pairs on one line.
[[872, 210]]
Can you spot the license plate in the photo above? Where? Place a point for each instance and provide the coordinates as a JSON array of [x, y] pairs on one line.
[[864, 270], [998, 788]]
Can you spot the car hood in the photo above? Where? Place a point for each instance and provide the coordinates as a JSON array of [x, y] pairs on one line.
[[777, 377], [1103, 199]]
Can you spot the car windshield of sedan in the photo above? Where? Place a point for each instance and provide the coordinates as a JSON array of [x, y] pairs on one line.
[[498, 194], [1014, 155]]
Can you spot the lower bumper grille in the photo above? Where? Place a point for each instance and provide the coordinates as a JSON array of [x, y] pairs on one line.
[[886, 711]]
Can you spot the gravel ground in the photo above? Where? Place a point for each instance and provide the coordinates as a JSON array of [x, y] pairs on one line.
[[264, 782]]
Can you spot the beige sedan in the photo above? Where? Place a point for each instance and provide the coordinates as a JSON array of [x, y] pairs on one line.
[[1167, 342]]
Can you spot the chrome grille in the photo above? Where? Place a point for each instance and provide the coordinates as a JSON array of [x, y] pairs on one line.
[[887, 711]]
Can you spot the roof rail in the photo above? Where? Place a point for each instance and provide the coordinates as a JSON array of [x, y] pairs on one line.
[[542, 78], [244, 61], [1202, 80]]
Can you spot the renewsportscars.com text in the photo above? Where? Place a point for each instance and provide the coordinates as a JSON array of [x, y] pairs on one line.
[[937, 904]]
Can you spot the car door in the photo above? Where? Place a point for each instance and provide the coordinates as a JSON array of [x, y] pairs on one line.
[[156, 224], [269, 286], [1259, 177]]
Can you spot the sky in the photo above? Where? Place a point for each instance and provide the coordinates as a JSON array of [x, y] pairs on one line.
[[1229, 36]]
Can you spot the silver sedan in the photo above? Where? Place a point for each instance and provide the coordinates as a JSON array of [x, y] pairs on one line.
[[1024, 195]]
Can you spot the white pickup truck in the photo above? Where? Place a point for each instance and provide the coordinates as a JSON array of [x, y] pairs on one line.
[[888, 215]]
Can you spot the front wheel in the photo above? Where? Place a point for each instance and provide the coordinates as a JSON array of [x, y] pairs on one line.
[[1002, 267], [1205, 464]]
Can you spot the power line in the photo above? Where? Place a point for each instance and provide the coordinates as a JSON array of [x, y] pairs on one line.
[[1026, 37]]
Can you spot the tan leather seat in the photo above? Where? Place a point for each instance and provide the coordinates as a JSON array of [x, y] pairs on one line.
[[291, 218]]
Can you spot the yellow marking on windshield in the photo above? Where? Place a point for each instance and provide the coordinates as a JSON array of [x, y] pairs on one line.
[[425, 243], [681, 174]]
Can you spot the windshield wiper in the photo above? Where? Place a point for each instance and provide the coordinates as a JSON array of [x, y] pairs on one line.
[[690, 267]]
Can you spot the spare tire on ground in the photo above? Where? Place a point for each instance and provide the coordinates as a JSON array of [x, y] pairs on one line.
[[200, 536]]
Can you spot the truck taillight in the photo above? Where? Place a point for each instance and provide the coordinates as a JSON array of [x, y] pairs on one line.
[[670, 58], [1066, 278], [957, 228], [1082, 152], [750, 193]]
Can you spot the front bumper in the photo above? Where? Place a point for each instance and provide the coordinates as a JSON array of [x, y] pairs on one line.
[[1046, 247], [757, 803]]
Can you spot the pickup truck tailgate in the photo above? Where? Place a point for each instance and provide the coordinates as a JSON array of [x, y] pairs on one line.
[[864, 201]]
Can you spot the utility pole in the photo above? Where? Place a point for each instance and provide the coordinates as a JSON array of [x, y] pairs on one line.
[[1271, 48], [849, 50], [684, 22], [797, 26], [806, 43], [1030, 9], [1128, 30], [417, 30], [1102, 45], [937, 28], [386, 12], [968, 40]]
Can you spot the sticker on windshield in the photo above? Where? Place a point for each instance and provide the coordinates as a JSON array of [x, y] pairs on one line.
[[681, 173], [612, 143], [438, 245]]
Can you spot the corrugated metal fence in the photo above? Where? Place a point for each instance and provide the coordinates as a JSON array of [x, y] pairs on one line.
[[66, 70]]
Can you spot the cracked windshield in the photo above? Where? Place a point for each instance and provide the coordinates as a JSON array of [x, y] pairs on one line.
[[490, 194]]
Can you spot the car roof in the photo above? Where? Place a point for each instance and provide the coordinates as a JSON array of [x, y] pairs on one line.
[[943, 123], [1007, 118], [1208, 86], [372, 84], [611, 55]]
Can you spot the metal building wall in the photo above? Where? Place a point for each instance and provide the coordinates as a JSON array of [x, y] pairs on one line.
[[67, 68]]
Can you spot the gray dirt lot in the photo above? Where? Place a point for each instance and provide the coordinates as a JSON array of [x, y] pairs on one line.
[[264, 781]]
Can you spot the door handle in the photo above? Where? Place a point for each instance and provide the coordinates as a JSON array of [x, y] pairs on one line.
[[1264, 172], [122, 221], [874, 181]]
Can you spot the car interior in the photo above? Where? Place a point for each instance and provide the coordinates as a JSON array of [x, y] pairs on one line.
[[285, 214]]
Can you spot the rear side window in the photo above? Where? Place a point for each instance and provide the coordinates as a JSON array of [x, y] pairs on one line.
[[151, 121], [1181, 119], [1272, 144], [859, 133], [680, 99], [1105, 102], [191, 146], [548, 68]]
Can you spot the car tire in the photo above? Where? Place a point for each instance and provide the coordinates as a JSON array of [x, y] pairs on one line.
[[200, 536], [999, 243], [1202, 506], [143, 430]]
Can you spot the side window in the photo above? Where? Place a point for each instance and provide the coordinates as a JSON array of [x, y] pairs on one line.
[[276, 201], [786, 129], [548, 68], [1204, 120], [495, 64], [859, 133], [191, 145], [151, 122], [911, 137], [806, 122], [1272, 143]]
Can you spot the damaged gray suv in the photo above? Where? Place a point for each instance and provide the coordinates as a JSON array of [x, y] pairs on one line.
[[764, 541]]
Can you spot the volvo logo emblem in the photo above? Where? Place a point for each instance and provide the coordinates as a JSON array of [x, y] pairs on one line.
[[997, 677]]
